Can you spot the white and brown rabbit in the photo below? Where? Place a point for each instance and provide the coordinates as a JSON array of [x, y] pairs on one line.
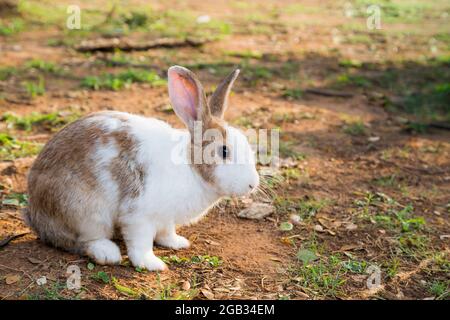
[[113, 170]]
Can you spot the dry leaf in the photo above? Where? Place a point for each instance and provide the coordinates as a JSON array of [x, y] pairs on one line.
[[13, 278], [276, 259], [34, 260], [349, 247], [351, 226], [208, 294], [213, 243]]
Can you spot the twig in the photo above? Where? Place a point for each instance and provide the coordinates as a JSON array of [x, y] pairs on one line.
[[329, 93], [127, 45], [7, 240]]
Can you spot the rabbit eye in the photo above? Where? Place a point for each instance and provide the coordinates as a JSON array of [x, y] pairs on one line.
[[224, 152]]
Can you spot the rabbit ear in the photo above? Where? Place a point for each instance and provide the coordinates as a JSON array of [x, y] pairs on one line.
[[219, 99], [187, 96]]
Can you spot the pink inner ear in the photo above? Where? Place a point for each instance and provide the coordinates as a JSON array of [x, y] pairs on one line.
[[185, 95]]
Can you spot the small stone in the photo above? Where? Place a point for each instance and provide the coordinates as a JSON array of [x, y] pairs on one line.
[[351, 227], [41, 281], [257, 211], [295, 219]]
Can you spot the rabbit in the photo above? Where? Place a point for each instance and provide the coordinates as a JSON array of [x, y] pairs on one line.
[[116, 171]]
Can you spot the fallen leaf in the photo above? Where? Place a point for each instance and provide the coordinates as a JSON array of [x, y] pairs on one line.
[[213, 243], [123, 289], [208, 294], [306, 256], [276, 259], [257, 211], [7, 240], [351, 226], [318, 228], [13, 278], [349, 247], [286, 226], [34, 260]]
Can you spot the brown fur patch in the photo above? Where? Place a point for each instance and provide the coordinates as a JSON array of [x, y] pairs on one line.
[[205, 170], [67, 160], [128, 174]]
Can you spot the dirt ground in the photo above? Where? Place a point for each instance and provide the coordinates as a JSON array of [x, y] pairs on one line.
[[363, 117]]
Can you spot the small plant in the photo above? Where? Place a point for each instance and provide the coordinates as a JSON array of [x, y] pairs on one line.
[[355, 128], [44, 66], [293, 94], [101, 276], [7, 72], [212, 261], [350, 63], [135, 19], [323, 276], [287, 150], [11, 148], [53, 292], [34, 89], [440, 289], [122, 80], [387, 181], [50, 121], [248, 54], [11, 27], [16, 199], [358, 81]]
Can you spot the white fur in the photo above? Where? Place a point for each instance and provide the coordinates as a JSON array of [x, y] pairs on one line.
[[174, 193]]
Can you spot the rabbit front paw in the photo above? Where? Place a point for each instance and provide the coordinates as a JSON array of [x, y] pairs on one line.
[[148, 261], [173, 241]]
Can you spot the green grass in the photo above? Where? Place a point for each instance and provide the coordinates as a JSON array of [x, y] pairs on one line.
[[389, 214], [440, 289], [122, 80], [44, 66], [292, 94], [357, 128], [350, 63], [11, 27], [211, 261], [51, 121], [386, 181], [405, 11], [55, 291], [248, 54], [353, 80], [11, 148], [287, 150], [7, 72], [15, 199], [34, 89], [305, 207], [323, 277]]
